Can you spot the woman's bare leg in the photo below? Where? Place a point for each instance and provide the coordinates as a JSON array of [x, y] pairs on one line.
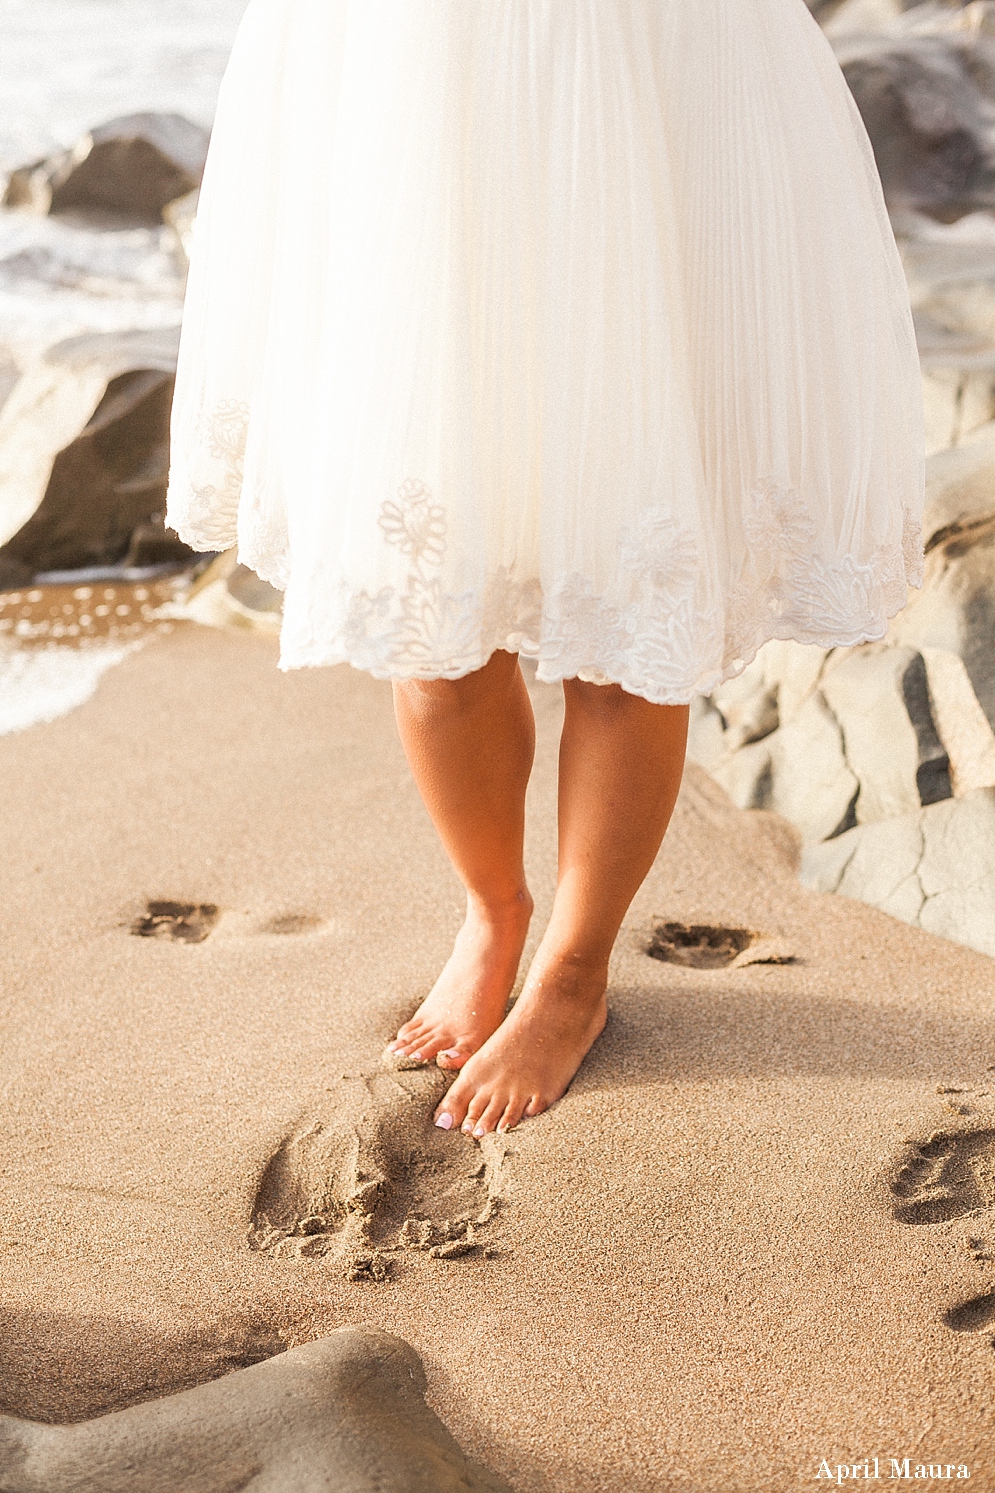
[[621, 762], [470, 743]]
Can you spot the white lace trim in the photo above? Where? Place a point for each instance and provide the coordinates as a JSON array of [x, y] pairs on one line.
[[658, 644]]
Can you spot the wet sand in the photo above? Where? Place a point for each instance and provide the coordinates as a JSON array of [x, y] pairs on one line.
[[755, 1234]]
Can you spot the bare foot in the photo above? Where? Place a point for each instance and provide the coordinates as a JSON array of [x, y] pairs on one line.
[[532, 1057], [468, 1000]]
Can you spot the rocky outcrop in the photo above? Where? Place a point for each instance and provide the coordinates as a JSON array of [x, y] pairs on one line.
[[923, 76], [934, 867], [130, 167], [181, 215], [928, 102], [84, 457], [229, 595], [881, 755]]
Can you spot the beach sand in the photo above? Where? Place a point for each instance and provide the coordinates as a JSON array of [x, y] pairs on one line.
[[720, 1259]]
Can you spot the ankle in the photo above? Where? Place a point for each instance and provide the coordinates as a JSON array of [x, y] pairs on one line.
[[508, 911], [581, 974]]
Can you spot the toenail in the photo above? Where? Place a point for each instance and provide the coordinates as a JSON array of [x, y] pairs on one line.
[[480, 1130], [445, 1122], [416, 1056]]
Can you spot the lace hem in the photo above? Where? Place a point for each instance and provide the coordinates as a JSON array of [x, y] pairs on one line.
[[659, 644], [665, 640]]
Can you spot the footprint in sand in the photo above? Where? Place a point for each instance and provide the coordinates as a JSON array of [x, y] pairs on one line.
[[182, 922], [292, 922], [949, 1176], [373, 1180], [708, 946], [976, 1315]]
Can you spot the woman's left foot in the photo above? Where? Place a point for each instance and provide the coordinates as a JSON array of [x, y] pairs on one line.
[[531, 1059]]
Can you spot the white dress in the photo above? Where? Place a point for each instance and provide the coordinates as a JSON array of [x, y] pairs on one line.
[[570, 327]]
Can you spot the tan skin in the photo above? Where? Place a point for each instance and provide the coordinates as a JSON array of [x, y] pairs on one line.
[[470, 744]]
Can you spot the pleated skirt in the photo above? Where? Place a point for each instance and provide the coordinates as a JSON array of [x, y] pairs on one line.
[[569, 327]]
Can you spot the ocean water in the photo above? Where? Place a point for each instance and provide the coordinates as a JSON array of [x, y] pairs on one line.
[[66, 65]]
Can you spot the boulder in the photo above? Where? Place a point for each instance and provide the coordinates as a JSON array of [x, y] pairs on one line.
[[928, 102], [960, 722], [960, 490], [131, 167], [181, 216], [955, 610], [934, 868], [843, 17], [950, 268], [748, 706], [226, 594], [84, 456], [880, 698], [828, 739], [812, 783], [800, 772]]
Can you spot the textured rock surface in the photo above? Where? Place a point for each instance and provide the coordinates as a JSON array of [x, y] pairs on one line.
[[84, 454], [955, 610], [229, 595], [934, 868], [345, 1414], [927, 102], [867, 750], [132, 167]]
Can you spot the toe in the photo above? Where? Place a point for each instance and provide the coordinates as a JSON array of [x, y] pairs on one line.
[[535, 1106], [453, 1107], [415, 1041], [489, 1119], [474, 1110], [453, 1058], [512, 1114], [432, 1044]]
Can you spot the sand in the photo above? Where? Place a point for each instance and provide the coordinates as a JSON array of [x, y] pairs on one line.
[[754, 1235]]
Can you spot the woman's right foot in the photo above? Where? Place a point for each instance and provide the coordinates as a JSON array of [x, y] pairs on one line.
[[468, 1001]]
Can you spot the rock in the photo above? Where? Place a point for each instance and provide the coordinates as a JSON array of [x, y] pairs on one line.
[[927, 103], [747, 776], [879, 697], [934, 868], [748, 706], [706, 734], [812, 784], [227, 594], [960, 490], [854, 737], [84, 454], [957, 403], [950, 269], [961, 723], [855, 16], [800, 772], [346, 1412], [955, 610], [153, 544], [181, 216], [131, 167]]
